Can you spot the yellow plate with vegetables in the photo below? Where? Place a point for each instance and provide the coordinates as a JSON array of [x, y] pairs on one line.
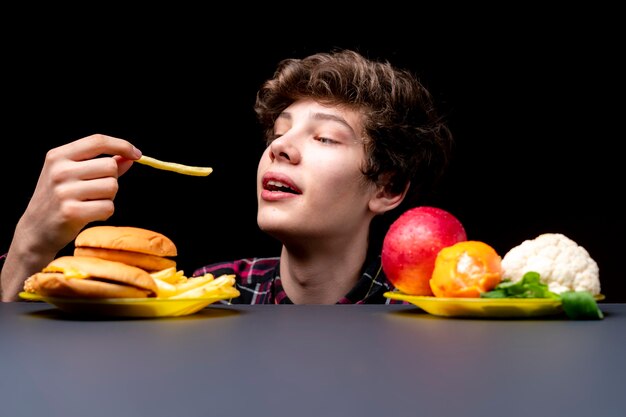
[[484, 307]]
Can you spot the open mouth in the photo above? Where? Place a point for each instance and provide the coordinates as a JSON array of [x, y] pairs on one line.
[[273, 185]]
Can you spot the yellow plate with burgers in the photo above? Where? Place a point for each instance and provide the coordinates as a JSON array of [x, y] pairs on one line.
[[115, 271], [483, 307], [89, 285]]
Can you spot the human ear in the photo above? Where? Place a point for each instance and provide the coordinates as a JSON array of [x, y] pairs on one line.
[[384, 199]]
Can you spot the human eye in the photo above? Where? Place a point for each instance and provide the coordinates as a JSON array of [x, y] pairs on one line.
[[325, 140]]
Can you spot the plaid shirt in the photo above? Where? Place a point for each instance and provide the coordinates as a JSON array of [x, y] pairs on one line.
[[258, 282]]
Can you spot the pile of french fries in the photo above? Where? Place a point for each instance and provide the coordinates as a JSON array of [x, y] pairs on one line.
[[173, 284]]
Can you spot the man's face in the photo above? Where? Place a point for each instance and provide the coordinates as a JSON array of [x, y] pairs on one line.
[[309, 179]]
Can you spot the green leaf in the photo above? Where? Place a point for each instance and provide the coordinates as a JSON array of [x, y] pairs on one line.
[[580, 305], [494, 294], [530, 286]]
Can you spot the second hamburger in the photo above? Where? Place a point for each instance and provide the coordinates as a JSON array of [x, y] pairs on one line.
[[90, 277]]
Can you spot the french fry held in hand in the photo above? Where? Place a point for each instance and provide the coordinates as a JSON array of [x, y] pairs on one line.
[[174, 167]]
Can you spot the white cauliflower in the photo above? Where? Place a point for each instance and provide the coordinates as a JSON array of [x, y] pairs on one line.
[[562, 264]]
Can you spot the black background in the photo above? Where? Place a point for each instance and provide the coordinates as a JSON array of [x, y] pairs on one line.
[[532, 101]]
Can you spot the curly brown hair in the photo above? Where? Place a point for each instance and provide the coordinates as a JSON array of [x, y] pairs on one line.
[[405, 139]]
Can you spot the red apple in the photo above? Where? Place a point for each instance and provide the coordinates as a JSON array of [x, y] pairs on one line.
[[412, 244]]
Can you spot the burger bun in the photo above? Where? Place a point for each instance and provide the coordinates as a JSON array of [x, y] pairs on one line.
[[143, 248]]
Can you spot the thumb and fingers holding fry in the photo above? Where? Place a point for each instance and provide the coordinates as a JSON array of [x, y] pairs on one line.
[[92, 146]]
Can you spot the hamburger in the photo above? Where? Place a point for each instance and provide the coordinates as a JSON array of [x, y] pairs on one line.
[[143, 248], [91, 277], [108, 262]]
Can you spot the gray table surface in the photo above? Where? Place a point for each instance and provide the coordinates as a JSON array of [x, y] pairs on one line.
[[310, 361]]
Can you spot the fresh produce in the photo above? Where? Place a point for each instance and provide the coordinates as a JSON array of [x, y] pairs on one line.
[[426, 253], [466, 269], [562, 264], [412, 244]]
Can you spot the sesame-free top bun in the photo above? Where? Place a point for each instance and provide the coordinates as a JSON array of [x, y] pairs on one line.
[[135, 246], [133, 239], [83, 268]]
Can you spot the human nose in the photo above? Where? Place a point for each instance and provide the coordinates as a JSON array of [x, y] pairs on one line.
[[285, 148]]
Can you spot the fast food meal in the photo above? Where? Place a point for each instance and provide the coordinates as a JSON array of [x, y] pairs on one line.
[[172, 166], [124, 262]]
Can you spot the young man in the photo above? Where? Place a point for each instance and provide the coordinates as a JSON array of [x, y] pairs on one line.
[[348, 140]]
